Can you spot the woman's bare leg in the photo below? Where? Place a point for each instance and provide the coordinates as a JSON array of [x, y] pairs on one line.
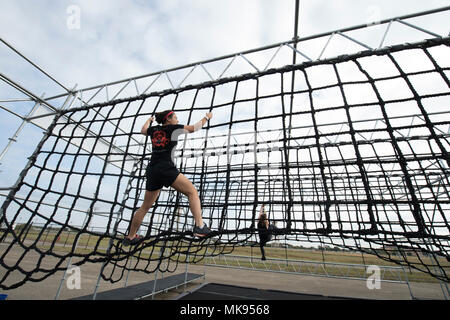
[[149, 199], [185, 186], [263, 253]]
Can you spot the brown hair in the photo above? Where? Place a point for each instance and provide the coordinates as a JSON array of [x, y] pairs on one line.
[[262, 218], [162, 117]]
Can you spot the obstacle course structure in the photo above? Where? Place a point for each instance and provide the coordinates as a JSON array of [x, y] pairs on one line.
[[350, 151]]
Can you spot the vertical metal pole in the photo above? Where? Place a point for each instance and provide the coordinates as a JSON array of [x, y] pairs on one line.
[[24, 172], [185, 275], [204, 270], [286, 250], [442, 284], [128, 273], [22, 125], [162, 256], [116, 225], [436, 268], [104, 263], [156, 272], [294, 61], [25, 120], [407, 283], [58, 292], [154, 283]]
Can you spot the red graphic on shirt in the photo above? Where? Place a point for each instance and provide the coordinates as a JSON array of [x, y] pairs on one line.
[[160, 139]]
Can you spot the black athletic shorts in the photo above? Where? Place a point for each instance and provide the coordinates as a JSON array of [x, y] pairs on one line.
[[160, 174]]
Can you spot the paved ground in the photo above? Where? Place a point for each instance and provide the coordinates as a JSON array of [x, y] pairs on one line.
[[47, 288]]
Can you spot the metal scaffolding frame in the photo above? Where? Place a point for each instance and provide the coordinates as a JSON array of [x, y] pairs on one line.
[[292, 45], [82, 97], [350, 271]]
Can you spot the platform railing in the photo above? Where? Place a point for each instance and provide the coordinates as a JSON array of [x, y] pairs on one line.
[[390, 274]]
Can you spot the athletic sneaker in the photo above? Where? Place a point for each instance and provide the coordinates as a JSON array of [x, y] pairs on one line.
[[136, 240], [203, 231]]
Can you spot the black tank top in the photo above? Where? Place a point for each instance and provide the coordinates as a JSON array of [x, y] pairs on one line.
[[262, 230], [164, 139]]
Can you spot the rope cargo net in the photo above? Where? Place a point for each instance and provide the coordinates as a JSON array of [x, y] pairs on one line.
[[351, 152]]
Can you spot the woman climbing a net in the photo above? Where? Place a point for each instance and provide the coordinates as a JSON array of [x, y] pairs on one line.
[[265, 231], [162, 171]]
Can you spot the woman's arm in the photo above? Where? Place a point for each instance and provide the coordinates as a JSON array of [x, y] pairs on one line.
[[199, 124], [146, 125], [261, 211], [266, 221]]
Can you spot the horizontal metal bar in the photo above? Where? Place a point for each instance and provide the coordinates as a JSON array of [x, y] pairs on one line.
[[313, 262], [52, 205], [33, 64], [26, 92], [12, 112], [304, 273], [41, 116], [29, 119], [16, 100], [271, 262], [168, 288]]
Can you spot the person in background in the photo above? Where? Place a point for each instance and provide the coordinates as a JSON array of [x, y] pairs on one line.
[[264, 231]]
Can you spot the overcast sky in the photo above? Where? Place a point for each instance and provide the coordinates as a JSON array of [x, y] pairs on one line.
[[118, 39], [113, 40]]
